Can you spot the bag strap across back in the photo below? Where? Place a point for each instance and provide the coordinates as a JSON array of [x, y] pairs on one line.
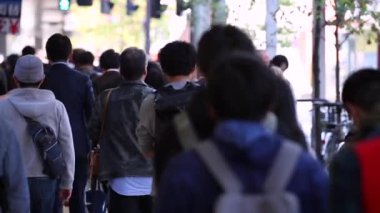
[[104, 115], [283, 167], [218, 167], [278, 176], [185, 130]]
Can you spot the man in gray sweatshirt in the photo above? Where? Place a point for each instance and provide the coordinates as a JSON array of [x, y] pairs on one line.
[[40, 105]]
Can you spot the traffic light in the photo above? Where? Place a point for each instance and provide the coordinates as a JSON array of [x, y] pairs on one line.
[[84, 2], [131, 7], [106, 6], [181, 6], [157, 8], [64, 5]]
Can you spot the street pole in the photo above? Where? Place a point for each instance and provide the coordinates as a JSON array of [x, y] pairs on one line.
[[316, 70], [147, 26], [3, 44], [38, 27], [271, 27], [200, 19], [378, 51], [337, 55]]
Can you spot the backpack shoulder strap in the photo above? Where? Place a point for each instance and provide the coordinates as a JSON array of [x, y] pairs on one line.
[[185, 130], [283, 166], [218, 167]]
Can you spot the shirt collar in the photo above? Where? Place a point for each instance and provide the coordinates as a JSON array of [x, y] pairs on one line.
[[177, 84], [114, 70]]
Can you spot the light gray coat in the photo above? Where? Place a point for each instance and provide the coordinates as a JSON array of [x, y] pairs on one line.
[[39, 105]]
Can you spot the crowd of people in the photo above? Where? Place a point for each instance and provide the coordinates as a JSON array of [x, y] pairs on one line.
[[211, 128]]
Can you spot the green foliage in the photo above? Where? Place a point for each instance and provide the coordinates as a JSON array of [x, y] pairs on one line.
[[286, 2], [356, 16]]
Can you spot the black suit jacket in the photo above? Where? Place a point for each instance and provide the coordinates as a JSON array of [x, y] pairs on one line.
[[75, 91], [108, 80]]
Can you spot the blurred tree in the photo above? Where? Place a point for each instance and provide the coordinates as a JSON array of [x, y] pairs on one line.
[[98, 32], [353, 17]]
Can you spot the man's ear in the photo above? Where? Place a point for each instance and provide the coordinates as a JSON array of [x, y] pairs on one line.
[[355, 112], [41, 82], [144, 74]]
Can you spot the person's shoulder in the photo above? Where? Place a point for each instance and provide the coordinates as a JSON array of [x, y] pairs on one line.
[[308, 166]]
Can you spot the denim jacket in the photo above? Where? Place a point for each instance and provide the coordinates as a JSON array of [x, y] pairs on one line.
[[120, 155]]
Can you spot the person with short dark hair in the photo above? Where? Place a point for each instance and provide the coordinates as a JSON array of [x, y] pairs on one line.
[[177, 60], [84, 63], [354, 170], [3, 81], [241, 94], [280, 61], [122, 162], [9, 67], [28, 50], [58, 48], [217, 42], [28, 101], [109, 64], [74, 90], [155, 77]]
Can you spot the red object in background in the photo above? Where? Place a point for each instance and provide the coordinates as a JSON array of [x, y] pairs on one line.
[[378, 52]]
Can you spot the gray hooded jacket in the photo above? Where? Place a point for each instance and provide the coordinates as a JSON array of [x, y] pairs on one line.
[[39, 105]]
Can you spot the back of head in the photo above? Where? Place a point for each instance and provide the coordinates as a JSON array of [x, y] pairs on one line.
[[133, 63], [154, 77], [241, 87], [177, 58], [28, 50], [58, 48], [85, 58], [221, 40], [29, 71], [75, 55], [280, 61], [109, 59], [11, 62], [362, 89]]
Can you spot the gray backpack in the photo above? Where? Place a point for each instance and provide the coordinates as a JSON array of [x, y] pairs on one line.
[[274, 198]]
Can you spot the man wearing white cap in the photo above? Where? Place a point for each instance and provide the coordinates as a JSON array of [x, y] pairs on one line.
[[39, 105]]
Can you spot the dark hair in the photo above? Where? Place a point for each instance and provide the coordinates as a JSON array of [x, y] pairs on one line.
[[85, 58], [221, 40], [362, 89], [109, 59], [177, 58], [10, 62], [279, 60], [75, 55], [285, 111], [154, 77], [133, 63], [28, 50], [58, 48], [241, 87]]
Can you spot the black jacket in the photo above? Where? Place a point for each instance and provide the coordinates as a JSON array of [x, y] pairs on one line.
[[74, 90], [120, 155], [108, 80]]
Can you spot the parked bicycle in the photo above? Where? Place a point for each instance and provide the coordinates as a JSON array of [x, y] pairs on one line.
[[331, 124]]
